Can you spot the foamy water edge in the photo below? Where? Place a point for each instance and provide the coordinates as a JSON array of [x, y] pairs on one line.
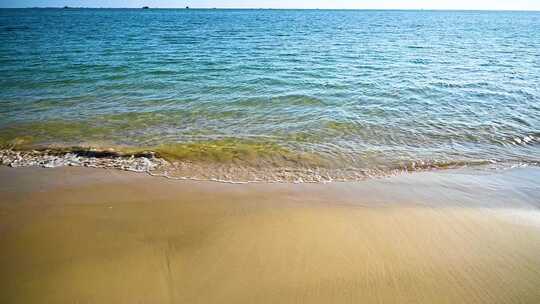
[[153, 165]]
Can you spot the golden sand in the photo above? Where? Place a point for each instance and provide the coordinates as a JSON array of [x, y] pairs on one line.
[[77, 235]]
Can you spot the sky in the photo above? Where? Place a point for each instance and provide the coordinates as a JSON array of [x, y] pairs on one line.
[[345, 4]]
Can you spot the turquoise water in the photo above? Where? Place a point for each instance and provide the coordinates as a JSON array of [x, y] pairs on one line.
[[355, 90]]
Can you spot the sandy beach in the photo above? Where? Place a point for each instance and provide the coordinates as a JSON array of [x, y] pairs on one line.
[[79, 235]]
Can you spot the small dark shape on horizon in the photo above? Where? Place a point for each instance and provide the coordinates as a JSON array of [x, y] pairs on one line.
[[187, 7], [66, 6], [145, 7]]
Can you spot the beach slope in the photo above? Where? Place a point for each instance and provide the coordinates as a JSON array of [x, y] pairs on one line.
[[79, 235]]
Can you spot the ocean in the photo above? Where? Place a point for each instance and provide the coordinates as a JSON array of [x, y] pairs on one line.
[[275, 95]]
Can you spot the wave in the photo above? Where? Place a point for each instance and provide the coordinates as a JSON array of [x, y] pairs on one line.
[[180, 163], [282, 101]]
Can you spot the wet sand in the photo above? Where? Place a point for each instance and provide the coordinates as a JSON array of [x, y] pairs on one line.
[[79, 235]]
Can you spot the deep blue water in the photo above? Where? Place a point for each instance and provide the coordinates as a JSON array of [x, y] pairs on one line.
[[347, 89]]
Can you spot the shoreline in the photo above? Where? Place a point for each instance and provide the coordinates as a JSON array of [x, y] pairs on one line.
[[115, 236], [154, 164]]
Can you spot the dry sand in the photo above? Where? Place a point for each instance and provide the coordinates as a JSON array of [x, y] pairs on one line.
[[77, 235]]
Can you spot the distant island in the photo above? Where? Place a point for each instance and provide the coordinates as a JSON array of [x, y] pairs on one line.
[[145, 7]]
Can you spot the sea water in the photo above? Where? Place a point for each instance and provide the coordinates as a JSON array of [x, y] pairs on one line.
[[275, 94]]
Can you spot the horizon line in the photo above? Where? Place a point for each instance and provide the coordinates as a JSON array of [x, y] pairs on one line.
[[277, 8]]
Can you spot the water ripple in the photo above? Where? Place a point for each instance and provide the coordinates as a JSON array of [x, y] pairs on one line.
[[369, 90]]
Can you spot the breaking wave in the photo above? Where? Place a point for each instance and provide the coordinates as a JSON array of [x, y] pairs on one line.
[[160, 164]]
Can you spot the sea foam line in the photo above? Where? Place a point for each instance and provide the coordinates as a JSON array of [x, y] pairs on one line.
[[149, 163]]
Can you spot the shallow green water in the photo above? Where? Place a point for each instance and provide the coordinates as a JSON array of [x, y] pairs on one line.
[[355, 90]]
